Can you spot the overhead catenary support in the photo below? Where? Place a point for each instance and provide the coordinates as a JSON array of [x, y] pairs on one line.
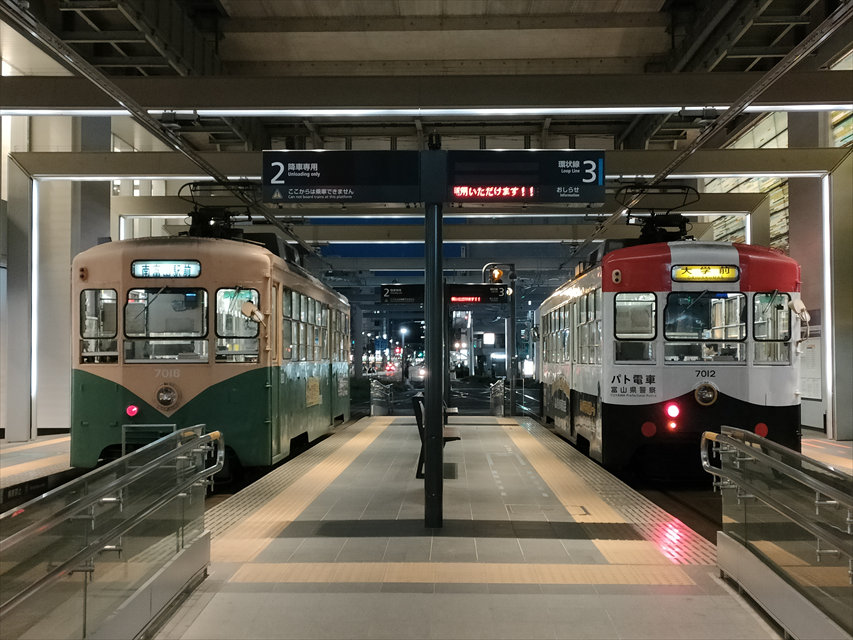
[[825, 29]]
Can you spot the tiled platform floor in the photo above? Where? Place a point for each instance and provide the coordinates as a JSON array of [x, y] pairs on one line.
[[538, 542], [23, 461]]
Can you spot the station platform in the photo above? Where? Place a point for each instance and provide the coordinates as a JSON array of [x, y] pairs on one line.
[[29, 466], [538, 542]]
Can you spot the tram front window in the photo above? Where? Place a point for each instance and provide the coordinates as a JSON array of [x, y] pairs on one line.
[[236, 333], [772, 327], [705, 326], [165, 324], [98, 342]]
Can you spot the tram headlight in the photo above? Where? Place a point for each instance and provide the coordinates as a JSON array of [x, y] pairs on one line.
[[705, 394], [167, 396]]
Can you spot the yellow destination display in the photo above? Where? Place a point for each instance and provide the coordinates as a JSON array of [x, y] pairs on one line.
[[705, 273]]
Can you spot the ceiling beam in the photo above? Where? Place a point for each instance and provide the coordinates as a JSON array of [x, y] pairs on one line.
[[581, 90], [327, 24], [627, 164], [709, 204]]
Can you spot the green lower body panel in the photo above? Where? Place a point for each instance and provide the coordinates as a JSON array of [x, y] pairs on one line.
[[258, 412]]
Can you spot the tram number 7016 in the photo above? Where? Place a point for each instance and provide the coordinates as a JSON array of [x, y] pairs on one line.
[[705, 373]]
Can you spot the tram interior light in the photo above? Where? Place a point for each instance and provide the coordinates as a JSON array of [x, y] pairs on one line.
[[496, 275]]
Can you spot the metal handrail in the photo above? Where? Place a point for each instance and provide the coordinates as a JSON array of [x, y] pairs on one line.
[[497, 397], [92, 498], [746, 443], [97, 545], [382, 393]]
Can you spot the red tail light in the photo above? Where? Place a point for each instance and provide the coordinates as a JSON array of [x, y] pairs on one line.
[[672, 410], [131, 410]]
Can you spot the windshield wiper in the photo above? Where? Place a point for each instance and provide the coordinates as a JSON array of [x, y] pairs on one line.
[[699, 297], [148, 304], [770, 303]]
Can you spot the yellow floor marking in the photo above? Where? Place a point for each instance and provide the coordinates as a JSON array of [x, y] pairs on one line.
[[245, 540], [460, 573], [778, 555], [641, 552], [820, 576], [820, 450], [568, 487], [24, 467], [33, 445]]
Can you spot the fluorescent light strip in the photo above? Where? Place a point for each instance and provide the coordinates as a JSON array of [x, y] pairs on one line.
[[609, 176], [102, 178], [422, 112], [34, 300], [826, 312]]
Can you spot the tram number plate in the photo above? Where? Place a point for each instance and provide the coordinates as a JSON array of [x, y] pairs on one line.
[[705, 373]]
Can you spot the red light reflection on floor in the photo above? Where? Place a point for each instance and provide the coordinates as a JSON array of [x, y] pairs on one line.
[[671, 540]]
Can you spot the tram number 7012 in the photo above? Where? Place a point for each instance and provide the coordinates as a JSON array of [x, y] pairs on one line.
[[705, 373]]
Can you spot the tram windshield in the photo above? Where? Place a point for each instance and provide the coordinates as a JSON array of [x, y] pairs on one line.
[[705, 325], [165, 324], [236, 333]]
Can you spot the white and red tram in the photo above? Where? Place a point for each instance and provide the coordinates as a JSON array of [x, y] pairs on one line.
[[660, 342]]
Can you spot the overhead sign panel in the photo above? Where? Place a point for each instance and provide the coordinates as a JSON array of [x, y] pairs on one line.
[[402, 293], [340, 176], [573, 177], [454, 293]]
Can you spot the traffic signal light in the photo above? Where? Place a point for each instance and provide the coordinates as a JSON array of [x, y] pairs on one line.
[[496, 275]]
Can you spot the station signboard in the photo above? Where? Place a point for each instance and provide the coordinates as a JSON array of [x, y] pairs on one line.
[[402, 293], [476, 293], [473, 293], [571, 177], [340, 176]]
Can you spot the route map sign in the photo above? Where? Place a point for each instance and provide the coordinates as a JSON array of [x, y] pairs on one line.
[[340, 176], [525, 176]]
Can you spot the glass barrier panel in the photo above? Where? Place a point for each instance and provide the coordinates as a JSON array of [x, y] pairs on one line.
[[113, 513], [816, 570]]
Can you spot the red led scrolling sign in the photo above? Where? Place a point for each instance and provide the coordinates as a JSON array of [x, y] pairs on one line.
[[493, 191]]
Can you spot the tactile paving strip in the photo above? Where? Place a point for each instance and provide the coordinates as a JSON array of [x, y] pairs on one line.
[[240, 506], [677, 541]]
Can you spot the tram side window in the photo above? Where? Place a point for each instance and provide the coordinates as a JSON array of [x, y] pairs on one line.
[[286, 336], [166, 324], [634, 326], [589, 329], [236, 335], [705, 325], [98, 330], [323, 331], [772, 327], [303, 341]]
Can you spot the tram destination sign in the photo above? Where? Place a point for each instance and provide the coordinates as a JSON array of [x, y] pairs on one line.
[[340, 176], [570, 177]]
